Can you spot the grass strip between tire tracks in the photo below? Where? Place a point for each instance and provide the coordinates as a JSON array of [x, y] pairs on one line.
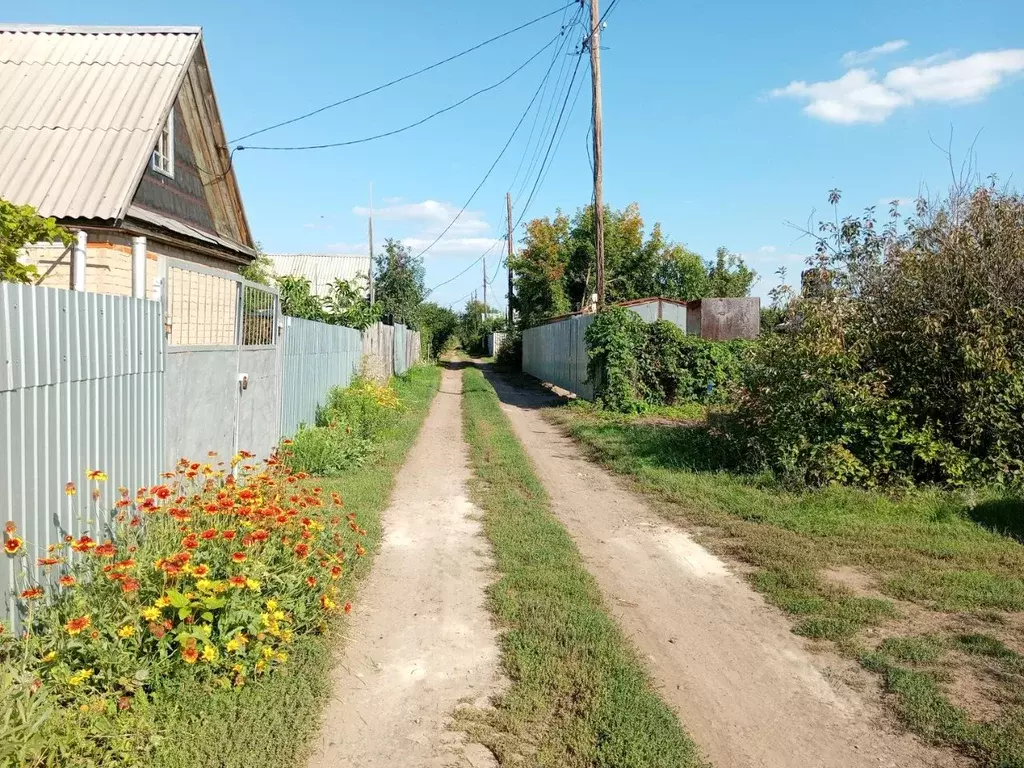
[[579, 696], [272, 722]]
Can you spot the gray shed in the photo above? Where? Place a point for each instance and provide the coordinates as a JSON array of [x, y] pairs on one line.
[[654, 308], [724, 319]]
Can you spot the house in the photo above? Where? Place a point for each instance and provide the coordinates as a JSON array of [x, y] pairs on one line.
[[115, 132], [322, 270]]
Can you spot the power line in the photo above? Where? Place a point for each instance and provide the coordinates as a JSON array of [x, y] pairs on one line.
[[439, 112], [490, 170], [480, 258], [409, 76], [565, 129]]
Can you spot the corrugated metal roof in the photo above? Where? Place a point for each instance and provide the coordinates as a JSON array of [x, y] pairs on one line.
[[182, 228], [80, 108], [323, 269]]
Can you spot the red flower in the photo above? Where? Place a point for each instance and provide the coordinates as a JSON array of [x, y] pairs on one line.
[[209, 533], [47, 561], [238, 557], [190, 542], [179, 514], [13, 544], [32, 593], [106, 549], [75, 626], [260, 535], [157, 630], [348, 607], [228, 535], [161, 492], [302, 550], [237, 581], [129, 585], [311, 581], [83, 544], [69, 489], [336, 572], [200, 571], [67, 581], [10, 528]]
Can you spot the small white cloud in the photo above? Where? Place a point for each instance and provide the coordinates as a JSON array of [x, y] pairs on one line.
[[434, 216], [767, 249], [860, 58], [859, 96]]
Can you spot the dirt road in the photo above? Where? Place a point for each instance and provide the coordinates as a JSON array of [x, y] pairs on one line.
[[746, 688], [424, 641]]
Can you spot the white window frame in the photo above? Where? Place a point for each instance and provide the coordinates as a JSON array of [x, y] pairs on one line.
[[163, 154]]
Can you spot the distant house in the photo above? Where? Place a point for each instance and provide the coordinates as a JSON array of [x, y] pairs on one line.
[[115, 131], [322, 270]]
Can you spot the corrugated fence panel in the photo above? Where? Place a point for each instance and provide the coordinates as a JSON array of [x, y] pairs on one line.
[[317, 357], [557, 353], [81, 387]]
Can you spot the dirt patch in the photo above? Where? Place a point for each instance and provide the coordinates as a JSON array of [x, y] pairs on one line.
[[424, 643], [749, 691]]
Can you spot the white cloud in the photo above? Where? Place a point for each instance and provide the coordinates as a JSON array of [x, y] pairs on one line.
[[860, 96], [859, 58], [432, 215], [767, 249], [453, 246]]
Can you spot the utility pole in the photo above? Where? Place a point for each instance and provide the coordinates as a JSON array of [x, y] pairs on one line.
[[372, 292], [595, 70], [508, 201], [485, 285]]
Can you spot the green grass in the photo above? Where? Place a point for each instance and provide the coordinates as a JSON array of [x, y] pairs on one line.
[[272, 721], [945, 551], [579, 696]]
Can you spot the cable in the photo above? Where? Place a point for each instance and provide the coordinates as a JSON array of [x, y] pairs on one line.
[[572, 109], [402, 79], [449, 108], [490, 170], [457, 301], [479, 258]]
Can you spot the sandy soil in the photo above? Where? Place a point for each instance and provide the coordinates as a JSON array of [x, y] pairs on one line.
[[749, 691], [423, 643]]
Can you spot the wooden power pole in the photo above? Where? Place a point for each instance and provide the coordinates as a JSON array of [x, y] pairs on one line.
[[595, 70], [372, 291], [508, 201]]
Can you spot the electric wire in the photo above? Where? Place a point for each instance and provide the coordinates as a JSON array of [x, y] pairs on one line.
[[409, 76]]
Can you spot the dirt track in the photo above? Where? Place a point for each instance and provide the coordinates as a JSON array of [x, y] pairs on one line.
[[424, 642], [746, 688]]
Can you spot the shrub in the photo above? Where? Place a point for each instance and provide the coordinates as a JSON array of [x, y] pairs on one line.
[[364, 408], [325, 451], [510, 353], [634, 364], [210, 577], [906, 364]]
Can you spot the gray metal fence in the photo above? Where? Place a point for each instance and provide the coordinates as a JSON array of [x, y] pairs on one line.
[[557, 353], [317, 357], [81, 387]]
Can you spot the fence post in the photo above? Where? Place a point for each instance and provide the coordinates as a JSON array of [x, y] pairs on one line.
[[78, 254], [138, 267]]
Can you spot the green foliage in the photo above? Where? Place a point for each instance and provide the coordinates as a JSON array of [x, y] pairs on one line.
[[20, 226], [555, 271], [475, 324], [908, 364], [635, 365], [298, 299], [400, 285], [346, 305], [510, 353], [364, 407], [24, 712], [261, 270], [325, 451], [437, 326]]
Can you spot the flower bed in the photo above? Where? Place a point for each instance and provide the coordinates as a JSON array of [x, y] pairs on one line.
[[209, 577]]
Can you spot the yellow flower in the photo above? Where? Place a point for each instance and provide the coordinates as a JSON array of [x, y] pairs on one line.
[[205, 630], [281, 657], [271, 605], [209, 653], [279, 615], [205, 585], [162, 602], [261, 665], [49, 657], [252, 584], [97, 474], [237, 643], [126, 631], [285, 636], [268, 652], [151, 613], [80, 677], [238, 669]]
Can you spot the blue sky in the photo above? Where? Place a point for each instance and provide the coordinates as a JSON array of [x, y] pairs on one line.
[[723, 120]]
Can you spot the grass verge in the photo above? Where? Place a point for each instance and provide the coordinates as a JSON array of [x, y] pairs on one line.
[[841, 560], [579, 696], [272, 721]]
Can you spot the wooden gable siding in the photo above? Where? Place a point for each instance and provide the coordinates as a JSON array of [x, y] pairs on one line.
[[181, 197], [202, 120]]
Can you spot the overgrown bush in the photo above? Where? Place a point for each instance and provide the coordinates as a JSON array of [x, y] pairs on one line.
[[207, 579], [365, 407], [325, 451], [20, 225], [634, 364], [906, 363], [510, 353]]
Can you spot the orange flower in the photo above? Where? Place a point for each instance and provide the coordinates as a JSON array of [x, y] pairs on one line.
[[75, 626], [209, 533], [96, 474], [228, 535], [69, 489], [67, 581], [189, 655], [360, 550], [311, 581], [106, 549], [32, 593], [260, 535], [10, 528], [200, 571], [83, 544], [237, 581], [336, 572], [129, 585], [238, 557], [161, 492], [13, 544], [190, 542], [179, 514], [302, 550], [348, 607]]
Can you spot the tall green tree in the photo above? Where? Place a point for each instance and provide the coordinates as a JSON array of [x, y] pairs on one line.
[[729, 276], [437, 325], [400, 283]]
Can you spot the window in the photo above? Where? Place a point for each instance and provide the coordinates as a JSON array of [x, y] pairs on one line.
[[163, 155]]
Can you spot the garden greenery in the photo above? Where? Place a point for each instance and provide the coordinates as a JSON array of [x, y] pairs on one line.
[[19, 226], [634, 364]]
